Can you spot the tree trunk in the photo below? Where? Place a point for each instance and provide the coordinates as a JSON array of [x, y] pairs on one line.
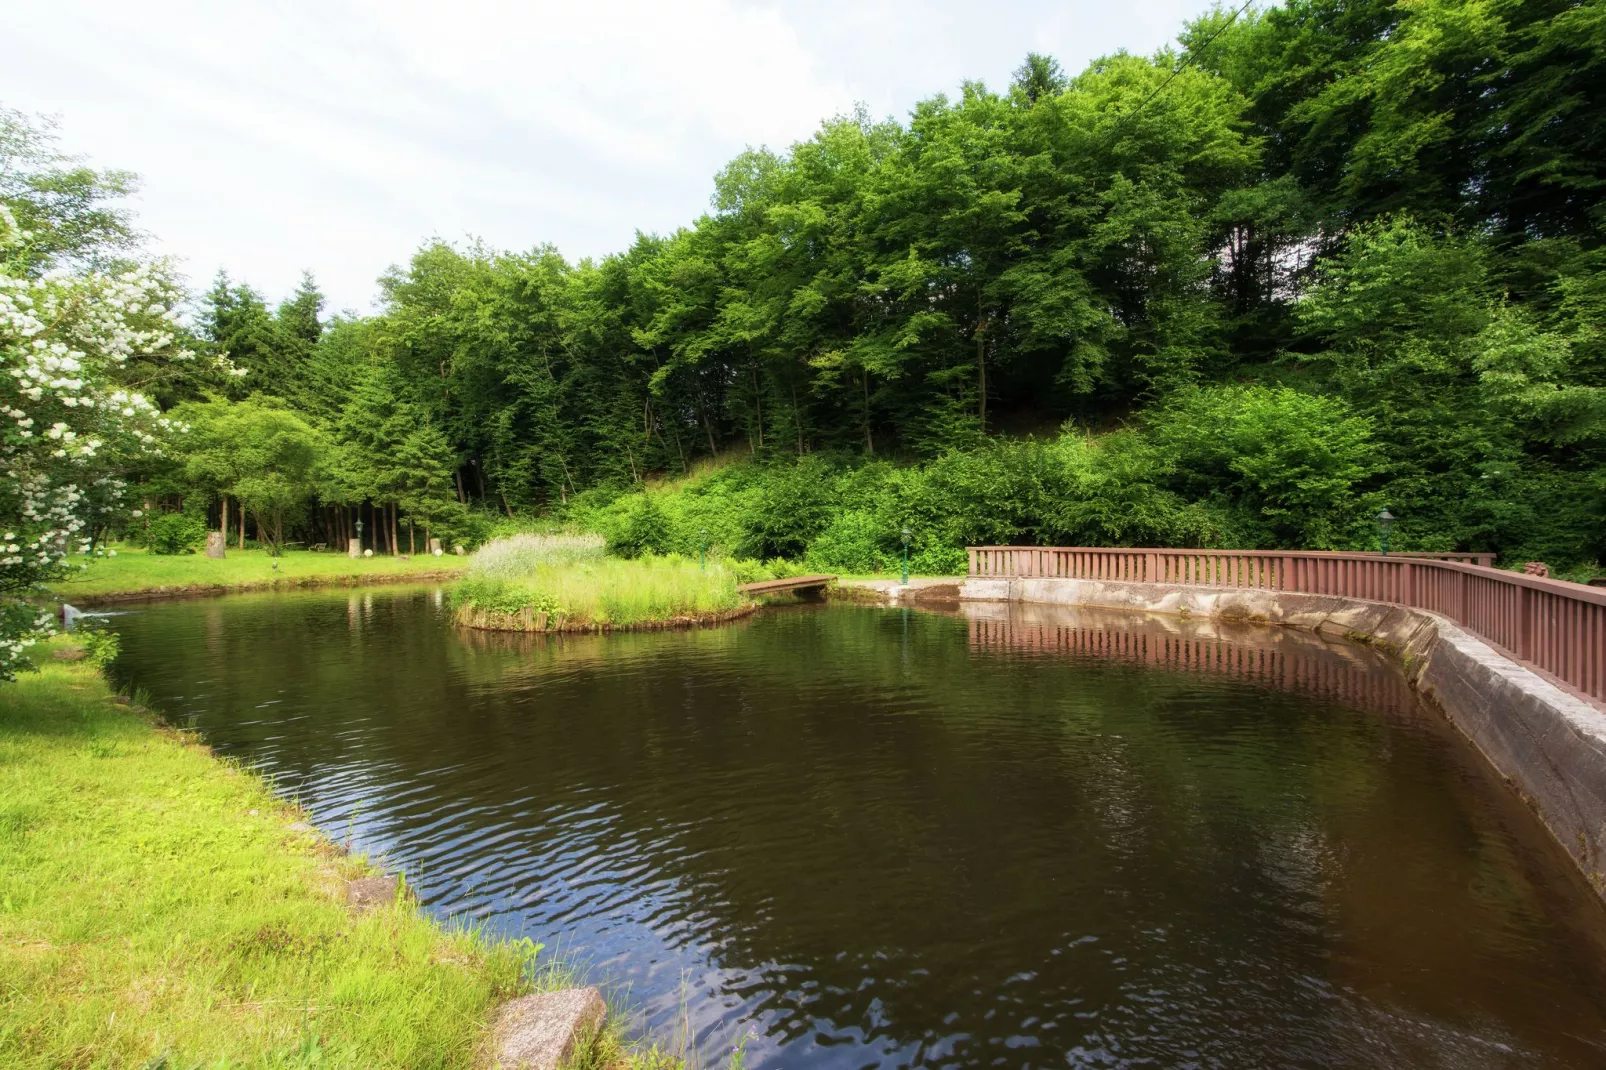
[[395, 541], [278, 532], [679, 452], [223, 524], [462, 499], [981, 373], [758, 409], [411, 547], [242, 525], [702, 410], [869, 441]]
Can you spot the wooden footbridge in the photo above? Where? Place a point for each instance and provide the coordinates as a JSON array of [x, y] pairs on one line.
[[813, 585]]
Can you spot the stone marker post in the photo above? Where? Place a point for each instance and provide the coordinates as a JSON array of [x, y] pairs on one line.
[[435, 547], [216, 543], [353, 547]]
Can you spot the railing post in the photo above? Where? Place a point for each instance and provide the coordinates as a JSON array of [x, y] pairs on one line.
[[971, 554], [1407, 584], [1151, 567], [1525, 623]]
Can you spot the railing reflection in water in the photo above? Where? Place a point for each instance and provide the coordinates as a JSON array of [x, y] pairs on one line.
[[1282, 658]]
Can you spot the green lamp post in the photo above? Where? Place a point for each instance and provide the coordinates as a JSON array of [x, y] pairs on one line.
[[359, 534], [1385, 524], [702, 551], [906, 555]]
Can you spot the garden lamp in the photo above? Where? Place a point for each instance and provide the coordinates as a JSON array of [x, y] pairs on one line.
[[359, 533], [1385, 524], [906, 555]]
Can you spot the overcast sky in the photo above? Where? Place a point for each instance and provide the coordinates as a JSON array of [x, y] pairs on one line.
[[337, 136]]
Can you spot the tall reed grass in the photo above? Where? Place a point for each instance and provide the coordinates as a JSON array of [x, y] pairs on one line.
[[569, 575]]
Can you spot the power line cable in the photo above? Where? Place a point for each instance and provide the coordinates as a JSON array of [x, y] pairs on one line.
[[1193, 54]]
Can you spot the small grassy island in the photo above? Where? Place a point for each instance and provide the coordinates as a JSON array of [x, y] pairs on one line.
[[546, 583]]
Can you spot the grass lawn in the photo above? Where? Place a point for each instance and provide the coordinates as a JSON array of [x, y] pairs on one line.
[[154, 900], [134, 570], [157, 909]]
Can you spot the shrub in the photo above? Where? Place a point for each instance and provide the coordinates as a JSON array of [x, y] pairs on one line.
[[175, 533], [793, 506], [851, 543], [1290, 461], [648, 531], [749, 570], [520, 555], [101, 647]]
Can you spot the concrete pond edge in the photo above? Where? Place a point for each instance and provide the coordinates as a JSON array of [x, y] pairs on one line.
[[1548, 743]]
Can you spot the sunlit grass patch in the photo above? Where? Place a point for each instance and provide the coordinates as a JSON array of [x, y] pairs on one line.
[[153, 900], [136, 570]]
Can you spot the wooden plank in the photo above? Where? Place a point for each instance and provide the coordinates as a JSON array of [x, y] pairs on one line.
[[791, 583]]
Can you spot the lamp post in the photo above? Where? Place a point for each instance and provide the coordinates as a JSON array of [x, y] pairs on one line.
[[359, 534], [906, 555], [702, 551], [1385, 524]]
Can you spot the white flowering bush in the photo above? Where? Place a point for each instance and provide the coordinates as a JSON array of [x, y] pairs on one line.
[[518, 556], [66, 427]]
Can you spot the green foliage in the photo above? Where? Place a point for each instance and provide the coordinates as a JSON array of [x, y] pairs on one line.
[[101, 645], [791, 509], [1288, 465], [646, 532], [69, 210], [851, 543], [1326, 256], [174, 533]]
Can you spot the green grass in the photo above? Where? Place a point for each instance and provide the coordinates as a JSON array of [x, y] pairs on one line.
[[135, 571], [591, 589], [154, 902]]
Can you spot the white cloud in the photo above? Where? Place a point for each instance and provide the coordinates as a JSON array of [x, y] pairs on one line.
[[273, 137]]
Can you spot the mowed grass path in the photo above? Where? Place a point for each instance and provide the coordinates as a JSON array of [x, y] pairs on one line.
[[154, 900], [134, 570]]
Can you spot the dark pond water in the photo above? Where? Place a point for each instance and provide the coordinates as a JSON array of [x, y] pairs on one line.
[[884, 837]]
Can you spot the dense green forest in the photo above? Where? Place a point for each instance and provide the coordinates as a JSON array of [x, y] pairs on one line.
[[1316, 260]]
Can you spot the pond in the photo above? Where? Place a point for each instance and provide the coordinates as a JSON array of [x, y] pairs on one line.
[[1009, 836]]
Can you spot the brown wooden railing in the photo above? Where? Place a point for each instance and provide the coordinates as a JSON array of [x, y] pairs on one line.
[[1554, 626]]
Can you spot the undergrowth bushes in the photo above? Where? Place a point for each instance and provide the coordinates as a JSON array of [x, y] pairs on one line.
[[1252, 466]]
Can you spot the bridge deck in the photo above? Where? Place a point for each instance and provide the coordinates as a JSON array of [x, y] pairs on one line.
[[791, 583]]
